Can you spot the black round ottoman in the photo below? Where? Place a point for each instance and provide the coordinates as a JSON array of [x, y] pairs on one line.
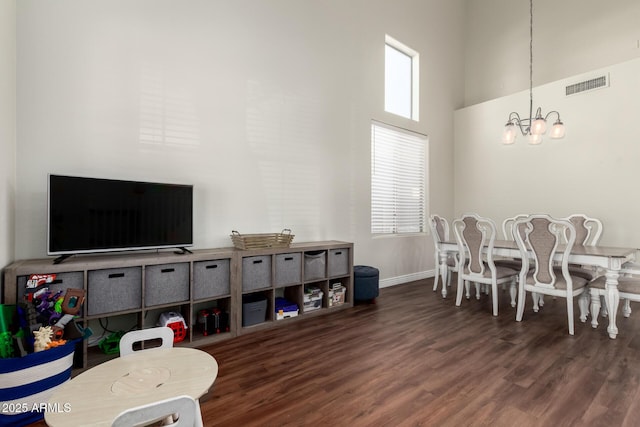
[[366, 283]]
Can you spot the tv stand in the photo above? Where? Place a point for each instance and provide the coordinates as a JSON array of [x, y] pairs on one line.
[[61, 258], [240, 287], [182, 251]]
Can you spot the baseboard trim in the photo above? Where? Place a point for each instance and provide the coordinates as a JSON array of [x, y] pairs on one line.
[[399, 280]]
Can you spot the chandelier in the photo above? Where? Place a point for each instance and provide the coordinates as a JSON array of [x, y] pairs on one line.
[[533, 127]]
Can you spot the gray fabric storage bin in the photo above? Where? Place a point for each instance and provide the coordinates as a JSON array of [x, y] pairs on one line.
[[338, 262], [288, 269], [256, 272], [166, 283], [315, 263], [63, 281], [210, 278], [254, 309], [114, 289]]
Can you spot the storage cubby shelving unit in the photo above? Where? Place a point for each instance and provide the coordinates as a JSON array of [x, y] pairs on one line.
[[287, 272], [130, 290]]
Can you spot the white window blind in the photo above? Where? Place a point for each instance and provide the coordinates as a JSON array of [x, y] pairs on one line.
[[398, 189]]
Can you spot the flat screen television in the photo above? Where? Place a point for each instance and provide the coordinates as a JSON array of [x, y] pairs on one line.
[[87, 215]]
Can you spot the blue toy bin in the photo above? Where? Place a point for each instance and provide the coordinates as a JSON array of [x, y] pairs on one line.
[[26, 383]]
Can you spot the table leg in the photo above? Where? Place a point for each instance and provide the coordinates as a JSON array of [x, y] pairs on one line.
[[612, 299]]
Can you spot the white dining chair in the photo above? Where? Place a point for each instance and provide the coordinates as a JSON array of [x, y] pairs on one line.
[[440, 233], [128, 340], [507, 225], [475, 237], [183, 410], [507, 232], [588, 232], [588, 229], [628, 289], [539, 239], [163, 333]]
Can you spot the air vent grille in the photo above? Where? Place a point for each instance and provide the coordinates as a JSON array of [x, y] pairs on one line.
[[587, 85]]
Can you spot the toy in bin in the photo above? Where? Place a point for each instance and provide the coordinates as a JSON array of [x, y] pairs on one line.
[[213, 321], [176, 322]]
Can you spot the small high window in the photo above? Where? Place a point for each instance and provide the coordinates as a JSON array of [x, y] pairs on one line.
[[401, 79]]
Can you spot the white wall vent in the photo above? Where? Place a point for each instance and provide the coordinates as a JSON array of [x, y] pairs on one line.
[[588, 85]]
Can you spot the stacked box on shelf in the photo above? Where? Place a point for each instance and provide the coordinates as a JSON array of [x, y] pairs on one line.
[[336, 294], [312, 299], [285, 308]]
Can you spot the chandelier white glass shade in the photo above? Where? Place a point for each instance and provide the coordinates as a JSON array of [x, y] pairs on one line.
[[533, 127]]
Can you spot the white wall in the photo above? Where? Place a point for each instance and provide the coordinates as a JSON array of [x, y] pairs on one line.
[[7, 128], [569, 37], [264, 106], [593, 170]]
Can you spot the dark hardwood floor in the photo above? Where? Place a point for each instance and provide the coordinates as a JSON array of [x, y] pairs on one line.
[[414, 359]]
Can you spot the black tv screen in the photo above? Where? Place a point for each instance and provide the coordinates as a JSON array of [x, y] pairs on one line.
[[100, 215]]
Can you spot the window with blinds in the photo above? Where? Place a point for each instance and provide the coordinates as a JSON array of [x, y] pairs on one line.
[[398, 180]]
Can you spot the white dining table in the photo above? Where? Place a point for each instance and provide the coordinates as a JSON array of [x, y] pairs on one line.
[[98, 395], [610, 259]]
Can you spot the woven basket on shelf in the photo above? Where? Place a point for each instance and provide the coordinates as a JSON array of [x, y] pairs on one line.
[[259, 241]]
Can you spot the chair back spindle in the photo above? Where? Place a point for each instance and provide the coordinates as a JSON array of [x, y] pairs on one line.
[[588, 229]]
